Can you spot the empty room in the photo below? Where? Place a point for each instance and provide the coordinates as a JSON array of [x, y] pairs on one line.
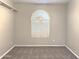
[[39, 29]]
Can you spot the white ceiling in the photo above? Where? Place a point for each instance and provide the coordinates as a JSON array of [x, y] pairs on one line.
[[42, 1]]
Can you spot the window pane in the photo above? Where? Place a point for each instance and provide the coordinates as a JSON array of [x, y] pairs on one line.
[[40, 24]]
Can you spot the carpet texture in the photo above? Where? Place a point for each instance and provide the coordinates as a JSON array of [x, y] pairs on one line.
[[39, 53]]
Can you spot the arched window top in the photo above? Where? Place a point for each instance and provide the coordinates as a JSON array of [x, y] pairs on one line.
[[40, 24], [40, 14]]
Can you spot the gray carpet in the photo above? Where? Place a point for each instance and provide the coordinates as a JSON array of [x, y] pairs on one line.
[[39, 53]]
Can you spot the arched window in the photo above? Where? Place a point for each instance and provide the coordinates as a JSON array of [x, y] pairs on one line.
[[40, 24]]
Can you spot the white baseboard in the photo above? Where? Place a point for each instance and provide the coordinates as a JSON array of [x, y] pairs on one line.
[[38, 45], [72, 51], [7, 52]]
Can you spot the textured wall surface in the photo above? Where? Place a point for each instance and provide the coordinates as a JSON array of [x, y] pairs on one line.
[[57, 24], [73, 26], [6, 28]]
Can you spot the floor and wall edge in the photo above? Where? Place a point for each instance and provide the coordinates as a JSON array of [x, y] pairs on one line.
[[72, 51], [39, 46], [7, 52]]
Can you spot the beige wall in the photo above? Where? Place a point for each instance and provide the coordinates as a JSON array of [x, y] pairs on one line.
[[73, 26], [57, 24], [6, 29]]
